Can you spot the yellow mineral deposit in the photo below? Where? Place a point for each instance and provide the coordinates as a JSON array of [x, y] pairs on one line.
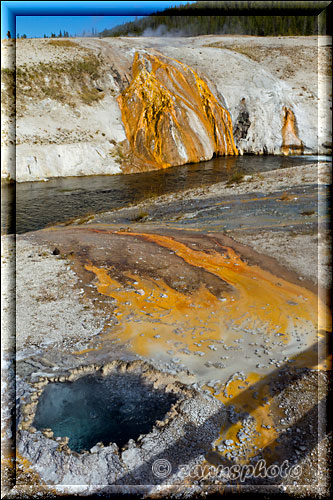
[[14, 464], [170, 115], [291, 144], [258, 408], [154, 319]]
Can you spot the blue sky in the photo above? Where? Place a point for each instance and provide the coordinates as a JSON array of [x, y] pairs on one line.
[[38, 17], [36, 26]]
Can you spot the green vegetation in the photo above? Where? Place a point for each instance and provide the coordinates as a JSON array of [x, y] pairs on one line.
[[237, 178], [140, 215], [269, 18], [253, 52]]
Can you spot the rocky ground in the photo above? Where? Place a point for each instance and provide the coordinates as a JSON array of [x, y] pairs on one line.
[[76, 285], [72, 322]]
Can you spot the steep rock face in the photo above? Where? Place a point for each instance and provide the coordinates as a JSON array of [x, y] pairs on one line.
[[170, 115]]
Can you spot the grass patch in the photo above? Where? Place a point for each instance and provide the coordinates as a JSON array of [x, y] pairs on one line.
[[257, 53], [8, 93], [62, 43], [68, 82], [250, 52], [90, 95], [237, 178], [140, 215]]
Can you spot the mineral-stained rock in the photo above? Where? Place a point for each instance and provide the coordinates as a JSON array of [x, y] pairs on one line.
[[290, 141], [243, 122], [170, 115]]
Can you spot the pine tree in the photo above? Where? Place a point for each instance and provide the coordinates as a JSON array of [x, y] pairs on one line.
[[230, 17]]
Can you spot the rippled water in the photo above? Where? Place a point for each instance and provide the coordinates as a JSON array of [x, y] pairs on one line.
[[30, 206]]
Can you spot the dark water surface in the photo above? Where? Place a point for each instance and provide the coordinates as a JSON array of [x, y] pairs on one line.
[[30, 206], [101, 409]]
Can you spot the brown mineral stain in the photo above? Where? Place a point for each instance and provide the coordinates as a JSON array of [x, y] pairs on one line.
[[291, 144], [257, 301]]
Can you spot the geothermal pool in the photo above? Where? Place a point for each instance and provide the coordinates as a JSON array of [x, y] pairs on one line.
[[95, 409]]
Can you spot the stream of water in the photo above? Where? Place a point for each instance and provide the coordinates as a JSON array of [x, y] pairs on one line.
[[31, 206]]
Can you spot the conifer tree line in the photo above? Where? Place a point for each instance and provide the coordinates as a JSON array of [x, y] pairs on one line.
[[65, 34], [269, 18]]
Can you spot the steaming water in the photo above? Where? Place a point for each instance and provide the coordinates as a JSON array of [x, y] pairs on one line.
[[101, 409], [38, 204]]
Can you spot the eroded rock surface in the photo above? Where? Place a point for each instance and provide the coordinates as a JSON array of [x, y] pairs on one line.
[[243, 121]]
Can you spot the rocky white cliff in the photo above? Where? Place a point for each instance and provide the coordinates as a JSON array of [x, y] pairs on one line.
[[68, 120]]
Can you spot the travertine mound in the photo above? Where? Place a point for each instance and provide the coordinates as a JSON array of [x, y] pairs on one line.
[[170, 115]]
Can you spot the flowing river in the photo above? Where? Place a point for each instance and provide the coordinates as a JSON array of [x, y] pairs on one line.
[[31, 206]]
